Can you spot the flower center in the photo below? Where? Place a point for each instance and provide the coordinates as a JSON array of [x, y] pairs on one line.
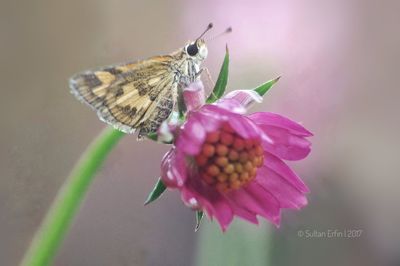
[[228, 161]]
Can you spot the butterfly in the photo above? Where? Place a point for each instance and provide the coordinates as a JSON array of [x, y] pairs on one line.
[[140, 95]]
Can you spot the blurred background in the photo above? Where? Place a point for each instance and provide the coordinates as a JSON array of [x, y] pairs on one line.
[[339, 62]]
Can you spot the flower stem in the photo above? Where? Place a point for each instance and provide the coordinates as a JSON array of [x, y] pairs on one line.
[[58, 219], [242, 244]]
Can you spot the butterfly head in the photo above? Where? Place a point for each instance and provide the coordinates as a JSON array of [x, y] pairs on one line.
[[197, 50]]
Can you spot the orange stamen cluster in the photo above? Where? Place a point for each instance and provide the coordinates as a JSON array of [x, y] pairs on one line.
[[228, 161]]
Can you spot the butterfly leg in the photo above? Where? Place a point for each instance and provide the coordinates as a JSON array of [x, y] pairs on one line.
[[209, 79], [208, 75], [185, 81]]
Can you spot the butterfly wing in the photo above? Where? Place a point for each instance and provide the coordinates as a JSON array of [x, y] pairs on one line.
[[130, 96]]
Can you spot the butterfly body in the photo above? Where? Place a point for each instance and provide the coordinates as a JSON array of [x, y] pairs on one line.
[[140, 95]]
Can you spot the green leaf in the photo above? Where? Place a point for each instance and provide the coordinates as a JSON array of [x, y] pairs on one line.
[[199, 216], [157, 191], [263, 88], [222, 80]]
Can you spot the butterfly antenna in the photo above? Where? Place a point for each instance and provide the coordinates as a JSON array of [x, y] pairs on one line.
[[228, 30], [209, 27]]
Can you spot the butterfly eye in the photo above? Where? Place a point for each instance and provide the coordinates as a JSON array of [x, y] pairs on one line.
[[192, 49]]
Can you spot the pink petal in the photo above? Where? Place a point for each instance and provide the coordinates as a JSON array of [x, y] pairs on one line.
[[287, 195], [209, 121], [285, 144], [269, 202], [215, 205], [242, 212], [193, 95], [192, 200], [276, 120], [213, 109], [244, 127], [173, 169], [239, 100], [223, 213], [191, 137], [279, 167], [256, 200]]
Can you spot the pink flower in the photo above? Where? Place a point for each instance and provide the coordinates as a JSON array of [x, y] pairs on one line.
[[231, 164]]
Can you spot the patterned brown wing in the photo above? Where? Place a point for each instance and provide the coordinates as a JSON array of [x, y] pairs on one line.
[[126, 96]]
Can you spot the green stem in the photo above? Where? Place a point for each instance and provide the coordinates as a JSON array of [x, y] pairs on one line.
[[57, 221], [241, 244]]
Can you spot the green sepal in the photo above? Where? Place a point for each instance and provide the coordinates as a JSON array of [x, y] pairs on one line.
[[152, 136], [222, 80], [157, 191], [263, 88], [199, 216]]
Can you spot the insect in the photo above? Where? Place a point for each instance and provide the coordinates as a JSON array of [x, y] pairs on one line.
[[141, 95]]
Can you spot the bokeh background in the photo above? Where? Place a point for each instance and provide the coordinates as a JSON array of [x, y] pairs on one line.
[[339, 61]]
